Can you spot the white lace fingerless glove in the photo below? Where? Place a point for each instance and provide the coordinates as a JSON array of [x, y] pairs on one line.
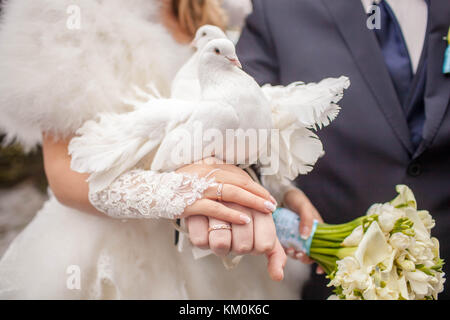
[[141, 194]]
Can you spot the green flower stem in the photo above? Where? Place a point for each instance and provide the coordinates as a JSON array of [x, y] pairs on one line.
[[337, 252], [326, 246], [321, 230], [327, 251], [336, 238], [328, 263], [319, 243], [345, 252], [353, 223]]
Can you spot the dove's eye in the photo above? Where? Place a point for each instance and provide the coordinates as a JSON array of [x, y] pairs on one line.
[[217, 51], [204, 34]]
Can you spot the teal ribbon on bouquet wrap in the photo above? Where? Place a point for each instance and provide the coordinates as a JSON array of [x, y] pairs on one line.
[[287, 225], [446, 67]]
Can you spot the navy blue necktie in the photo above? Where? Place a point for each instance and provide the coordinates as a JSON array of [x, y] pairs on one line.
[[396, 56], [395, 51]]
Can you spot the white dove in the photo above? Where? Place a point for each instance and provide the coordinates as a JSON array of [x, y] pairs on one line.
[[185, 85], [230, 99]]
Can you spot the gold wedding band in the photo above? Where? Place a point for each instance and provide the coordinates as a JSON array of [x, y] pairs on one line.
[[219, 192], [219, 227]]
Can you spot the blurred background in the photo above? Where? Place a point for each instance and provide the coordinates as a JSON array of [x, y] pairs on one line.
[[23, 186]]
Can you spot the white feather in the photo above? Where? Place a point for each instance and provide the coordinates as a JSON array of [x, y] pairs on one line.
[[313, 104], [296, 109], [117, 142]]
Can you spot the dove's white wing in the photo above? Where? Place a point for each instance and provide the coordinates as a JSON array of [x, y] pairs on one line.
[[296, 109], [116, 138], [312, 104], [117, 142], [211, 119]]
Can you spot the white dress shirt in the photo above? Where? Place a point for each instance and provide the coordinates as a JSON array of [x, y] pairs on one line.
[[412, 15]]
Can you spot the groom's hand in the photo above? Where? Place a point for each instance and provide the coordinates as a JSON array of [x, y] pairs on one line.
[[298, 202], [257, 237]]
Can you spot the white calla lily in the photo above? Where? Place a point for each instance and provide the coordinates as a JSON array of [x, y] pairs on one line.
[[354, 238], [373, 247], [405, 197], [419, 228]]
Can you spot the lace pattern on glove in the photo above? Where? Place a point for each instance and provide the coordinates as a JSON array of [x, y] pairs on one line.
[[142, 194]]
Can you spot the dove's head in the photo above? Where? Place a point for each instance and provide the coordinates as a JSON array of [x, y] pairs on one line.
[[205, 34], [219, 53]]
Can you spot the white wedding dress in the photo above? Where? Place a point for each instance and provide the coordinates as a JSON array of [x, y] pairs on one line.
[[54, 75]]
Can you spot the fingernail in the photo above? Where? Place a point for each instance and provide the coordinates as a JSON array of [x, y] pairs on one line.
[[270, 206], [304, 234], [299, 255], [245, 218], [290, 252], [319, 271], [273, 200]]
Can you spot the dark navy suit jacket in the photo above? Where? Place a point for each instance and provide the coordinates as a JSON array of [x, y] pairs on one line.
[[368, 149]]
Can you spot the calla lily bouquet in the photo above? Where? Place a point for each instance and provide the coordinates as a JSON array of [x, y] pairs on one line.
[[386, 254]]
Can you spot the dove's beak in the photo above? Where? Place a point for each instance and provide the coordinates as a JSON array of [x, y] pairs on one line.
[[235, 61]]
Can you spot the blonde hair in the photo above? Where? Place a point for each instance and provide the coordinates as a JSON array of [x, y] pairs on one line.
[[192, 14]]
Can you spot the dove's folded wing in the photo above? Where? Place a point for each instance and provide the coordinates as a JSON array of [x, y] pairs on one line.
[[313, 104], [117, 142], [190, 142]]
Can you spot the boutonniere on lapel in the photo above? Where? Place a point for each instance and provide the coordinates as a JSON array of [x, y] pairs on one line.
[[446, 67]]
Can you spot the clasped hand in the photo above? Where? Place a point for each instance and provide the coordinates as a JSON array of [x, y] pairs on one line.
[[246, 207]]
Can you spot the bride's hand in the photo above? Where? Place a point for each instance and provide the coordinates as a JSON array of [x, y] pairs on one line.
[[237, 187], [257, 237]]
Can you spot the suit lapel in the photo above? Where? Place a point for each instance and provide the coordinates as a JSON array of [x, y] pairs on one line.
[[351, 20], [437, 92]]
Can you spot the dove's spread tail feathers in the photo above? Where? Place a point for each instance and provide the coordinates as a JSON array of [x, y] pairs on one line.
[[296, 109], [313, 104], [117, 142]]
